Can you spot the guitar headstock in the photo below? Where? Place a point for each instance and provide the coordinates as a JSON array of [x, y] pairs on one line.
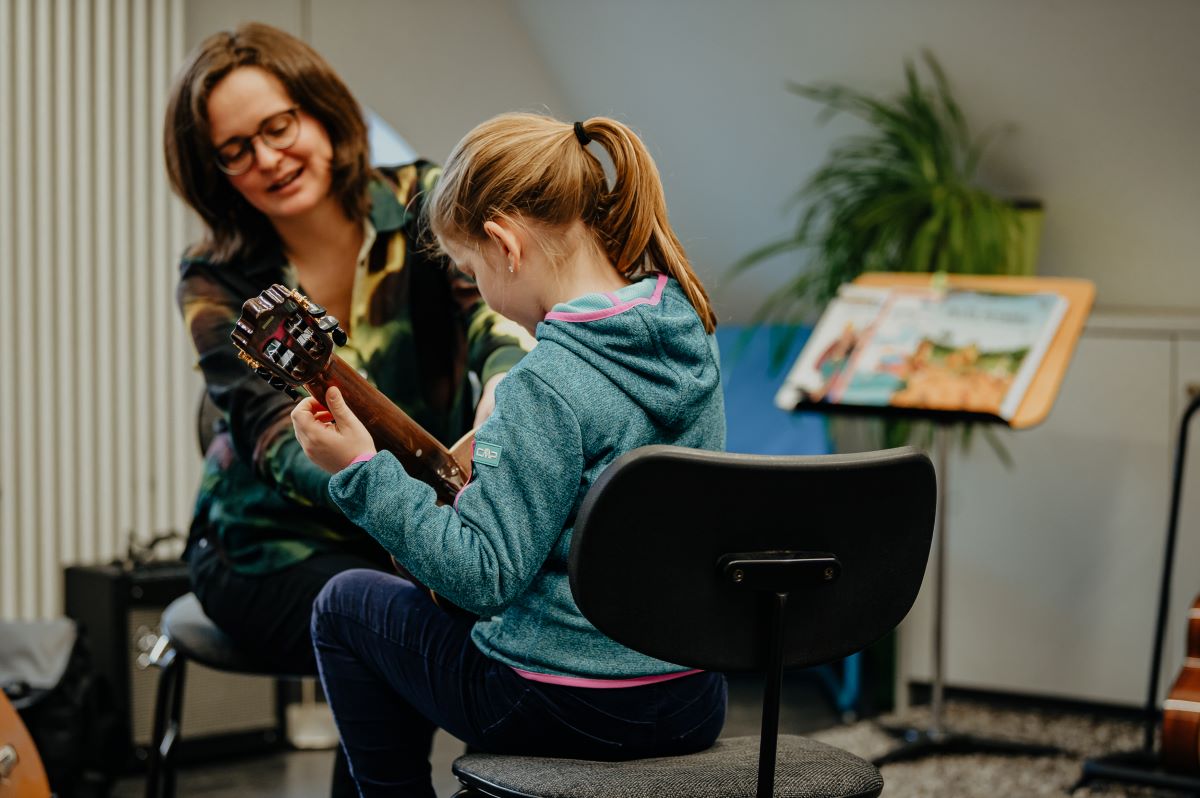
[[286, 338]]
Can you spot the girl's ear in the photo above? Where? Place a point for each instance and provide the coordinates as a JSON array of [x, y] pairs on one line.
[[508, 240]]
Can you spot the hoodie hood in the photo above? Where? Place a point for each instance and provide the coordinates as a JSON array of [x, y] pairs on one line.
[[647, 340]]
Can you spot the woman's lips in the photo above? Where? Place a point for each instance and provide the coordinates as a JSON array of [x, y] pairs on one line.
[[286, 181]]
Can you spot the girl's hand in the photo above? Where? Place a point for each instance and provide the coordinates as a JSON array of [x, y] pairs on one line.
[[334, 437]]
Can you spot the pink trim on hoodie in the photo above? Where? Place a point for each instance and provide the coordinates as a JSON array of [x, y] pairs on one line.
[[595, 315], [581, 681]]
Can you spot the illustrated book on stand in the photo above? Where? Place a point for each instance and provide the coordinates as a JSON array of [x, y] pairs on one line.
[[910, 346]]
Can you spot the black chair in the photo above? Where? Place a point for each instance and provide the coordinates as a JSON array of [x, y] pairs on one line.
[[737, 563]]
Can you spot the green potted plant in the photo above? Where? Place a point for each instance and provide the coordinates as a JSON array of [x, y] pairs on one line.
[[900, 197]]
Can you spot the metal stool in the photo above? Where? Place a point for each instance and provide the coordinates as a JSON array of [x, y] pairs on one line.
[[187, 634]]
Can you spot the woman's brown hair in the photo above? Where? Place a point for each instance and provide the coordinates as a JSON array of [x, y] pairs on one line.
[[234, 227], [534, 168]]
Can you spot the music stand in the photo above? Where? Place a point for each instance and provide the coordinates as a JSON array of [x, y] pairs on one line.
[[1143, 765], [1033, 409]]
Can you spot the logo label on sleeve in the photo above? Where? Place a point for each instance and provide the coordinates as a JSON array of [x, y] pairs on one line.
[[486, 453]]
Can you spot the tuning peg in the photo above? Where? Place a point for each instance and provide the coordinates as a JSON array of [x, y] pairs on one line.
[[329, 324], [315, 310]]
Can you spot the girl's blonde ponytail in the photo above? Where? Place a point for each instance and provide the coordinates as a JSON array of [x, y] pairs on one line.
[[536, 168], [633, 225]]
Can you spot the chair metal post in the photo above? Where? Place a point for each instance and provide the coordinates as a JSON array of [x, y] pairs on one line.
[[774, 574], [769, 736]]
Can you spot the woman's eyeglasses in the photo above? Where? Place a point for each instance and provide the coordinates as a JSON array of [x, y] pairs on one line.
[[279, 131]]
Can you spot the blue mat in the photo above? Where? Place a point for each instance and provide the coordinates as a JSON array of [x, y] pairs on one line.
[[755, 424]]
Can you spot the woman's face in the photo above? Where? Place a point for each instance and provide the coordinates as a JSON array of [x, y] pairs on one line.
[[285, 183]]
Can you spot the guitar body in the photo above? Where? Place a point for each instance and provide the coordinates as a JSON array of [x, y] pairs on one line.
[[288, 340], [21, 771], [1181, 710]]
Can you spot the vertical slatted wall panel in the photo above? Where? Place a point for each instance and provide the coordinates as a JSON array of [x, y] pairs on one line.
[[96, 386], [8, 328]]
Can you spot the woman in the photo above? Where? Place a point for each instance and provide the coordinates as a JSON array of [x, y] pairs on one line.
[[268, 146]]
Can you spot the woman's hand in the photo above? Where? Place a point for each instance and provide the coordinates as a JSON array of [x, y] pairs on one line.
[[334, 437], [487, 399]]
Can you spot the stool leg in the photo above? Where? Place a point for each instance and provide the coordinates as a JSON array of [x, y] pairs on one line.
[[168, 711], [153, 756], [174, 731]]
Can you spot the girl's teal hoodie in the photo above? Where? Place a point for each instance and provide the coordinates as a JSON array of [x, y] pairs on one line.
[[611, 372]]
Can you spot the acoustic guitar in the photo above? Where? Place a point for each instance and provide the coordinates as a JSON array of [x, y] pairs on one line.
[[1181, 710], [21, 771], [289, 341]]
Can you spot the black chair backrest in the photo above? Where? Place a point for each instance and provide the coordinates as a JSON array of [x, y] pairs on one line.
[[652, 532]]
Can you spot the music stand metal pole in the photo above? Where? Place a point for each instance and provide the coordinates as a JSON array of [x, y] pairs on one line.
[[936, 739], [942, 446]]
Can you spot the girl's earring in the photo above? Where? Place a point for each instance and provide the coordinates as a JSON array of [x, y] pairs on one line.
[[511, 268]]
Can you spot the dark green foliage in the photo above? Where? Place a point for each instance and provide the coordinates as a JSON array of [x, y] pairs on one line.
[[896, 198], [899, 197]]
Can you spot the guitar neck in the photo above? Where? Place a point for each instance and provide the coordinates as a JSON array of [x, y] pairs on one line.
[[422, 455]]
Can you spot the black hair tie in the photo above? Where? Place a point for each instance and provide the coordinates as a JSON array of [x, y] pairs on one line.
[[580, 134]]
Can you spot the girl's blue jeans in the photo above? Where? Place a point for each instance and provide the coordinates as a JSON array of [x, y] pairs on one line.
[[395, 668]]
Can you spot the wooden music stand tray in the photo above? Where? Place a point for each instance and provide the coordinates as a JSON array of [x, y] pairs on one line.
[[1033, 409]]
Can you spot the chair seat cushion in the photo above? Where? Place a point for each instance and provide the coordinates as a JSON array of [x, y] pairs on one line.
[[804, 769], [196, 637]]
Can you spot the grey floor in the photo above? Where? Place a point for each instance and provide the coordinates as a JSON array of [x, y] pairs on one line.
[[305, 774], [1078, 732]]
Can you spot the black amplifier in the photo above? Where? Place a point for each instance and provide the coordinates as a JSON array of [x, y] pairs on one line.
[[119, 609]]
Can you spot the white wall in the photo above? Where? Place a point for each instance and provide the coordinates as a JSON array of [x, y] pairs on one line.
[[1102, 94], [433, 70], [1053, 565]]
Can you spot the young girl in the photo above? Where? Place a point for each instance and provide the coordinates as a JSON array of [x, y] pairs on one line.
[[625, 358]]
